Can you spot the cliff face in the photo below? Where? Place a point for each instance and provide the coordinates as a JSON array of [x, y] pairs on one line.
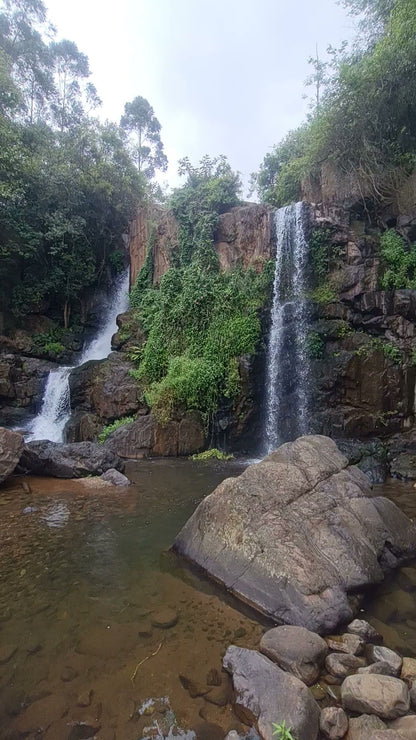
[[364, 380], [244, 236]]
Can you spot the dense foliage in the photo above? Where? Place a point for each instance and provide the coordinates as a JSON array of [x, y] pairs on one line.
[[365, 124], [68, 183], [399, 260], [199, 321]]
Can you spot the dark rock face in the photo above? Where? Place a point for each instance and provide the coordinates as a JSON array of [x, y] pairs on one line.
[[22, 381], [67, 460], [295, 533], [105, 388], [11, 445], [146, 436], [265, 693]]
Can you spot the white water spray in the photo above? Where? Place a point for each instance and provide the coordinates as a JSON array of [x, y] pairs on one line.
[[55, 410], [287, 358]]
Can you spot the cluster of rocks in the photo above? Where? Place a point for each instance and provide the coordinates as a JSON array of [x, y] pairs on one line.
[[346, 686]]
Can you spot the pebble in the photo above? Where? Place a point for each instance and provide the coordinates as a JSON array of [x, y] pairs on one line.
[[165, 618], [68, 674]]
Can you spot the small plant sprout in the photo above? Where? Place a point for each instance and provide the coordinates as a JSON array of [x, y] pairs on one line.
[[282, 732]]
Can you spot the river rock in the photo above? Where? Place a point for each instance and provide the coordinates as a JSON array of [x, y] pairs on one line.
[[412, 694], [381, 668], [351, 644], [297, 650], [342, 664], [115, 477], [74, 460], [164, 618], [408, 672], [360, 728], [385, 696], [265, 694], [404, 466], [364, 630], [377, 653], [11, 445], [405, 725], [333, 723], [295, 533]]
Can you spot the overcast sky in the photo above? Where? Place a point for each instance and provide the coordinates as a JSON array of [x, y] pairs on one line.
[[223, 76]]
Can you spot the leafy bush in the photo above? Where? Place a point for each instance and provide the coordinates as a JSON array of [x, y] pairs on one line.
[[212, 454], [109, 428], [49, 342], [324, 294], [399, 261], [315, 345]]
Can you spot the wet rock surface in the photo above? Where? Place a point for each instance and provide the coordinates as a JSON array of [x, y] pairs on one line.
[[11, 445], [67, 460], [302, 530]]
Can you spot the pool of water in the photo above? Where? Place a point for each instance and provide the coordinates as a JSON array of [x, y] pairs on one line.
[[86, 577], [85, 571]]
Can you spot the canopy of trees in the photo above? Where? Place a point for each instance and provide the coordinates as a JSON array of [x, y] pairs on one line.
[[365, 122], [68, 183]]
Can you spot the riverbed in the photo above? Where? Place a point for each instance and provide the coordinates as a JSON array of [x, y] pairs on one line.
[[105, 628]]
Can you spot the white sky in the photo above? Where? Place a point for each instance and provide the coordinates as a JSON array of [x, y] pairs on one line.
[[223, 76]]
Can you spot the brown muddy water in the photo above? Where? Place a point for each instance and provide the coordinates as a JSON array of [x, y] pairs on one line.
[[84, 573], [87, 577]]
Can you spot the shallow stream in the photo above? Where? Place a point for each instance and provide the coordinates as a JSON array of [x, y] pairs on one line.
[[85, 571]]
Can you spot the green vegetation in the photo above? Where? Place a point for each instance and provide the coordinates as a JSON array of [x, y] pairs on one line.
[[399, 260], [50, 342], [282, 732], [109, 428], [199, 320], [324, 294], [315, 345], [389, 350], [68, 183], [212, 454], [363, 125]]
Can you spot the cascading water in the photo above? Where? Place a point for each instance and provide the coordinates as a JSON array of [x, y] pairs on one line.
[[287, 358], [55, 411]]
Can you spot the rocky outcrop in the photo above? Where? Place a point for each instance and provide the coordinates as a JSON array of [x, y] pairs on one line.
[[67, 460], [11, 445], [264, 693], [244, 237], [294, 534], [22, 381], [145, 436]]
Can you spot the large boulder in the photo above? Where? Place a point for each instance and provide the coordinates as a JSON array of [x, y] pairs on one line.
[[11, 445], [265, 694], [146, 436], [295, 533], [67, 460]]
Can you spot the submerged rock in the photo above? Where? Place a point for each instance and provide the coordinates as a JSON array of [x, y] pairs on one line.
[[265, 694], [74, 460], [295, 533], [11, 445], [115, 477]]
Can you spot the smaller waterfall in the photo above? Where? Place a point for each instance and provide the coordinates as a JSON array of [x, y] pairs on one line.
[[55, 411], [287, 357]]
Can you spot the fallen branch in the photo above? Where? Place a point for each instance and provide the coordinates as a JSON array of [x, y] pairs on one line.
[[144, 661]]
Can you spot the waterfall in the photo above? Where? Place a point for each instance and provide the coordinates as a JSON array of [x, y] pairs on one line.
[[287, 357], [55, 410]]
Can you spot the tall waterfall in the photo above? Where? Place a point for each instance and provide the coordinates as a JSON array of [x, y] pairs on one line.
[[287, 357], [55, 410]]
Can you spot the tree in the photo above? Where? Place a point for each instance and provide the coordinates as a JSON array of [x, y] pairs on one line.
[[140, 122], [72, 93]]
